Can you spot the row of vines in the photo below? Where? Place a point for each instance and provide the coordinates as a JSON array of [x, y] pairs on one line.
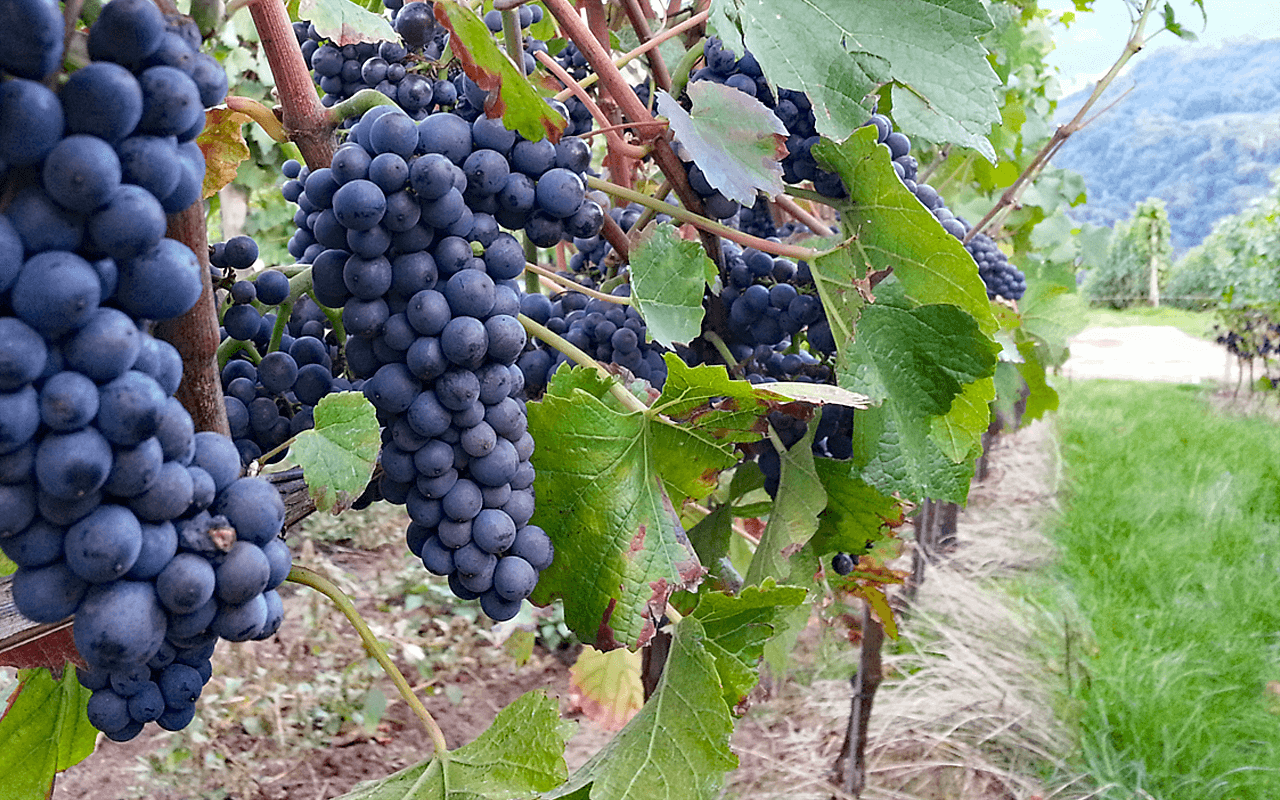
[[580, 286]]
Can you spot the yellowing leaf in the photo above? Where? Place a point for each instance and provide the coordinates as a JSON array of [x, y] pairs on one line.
[[224, 148], [606, 686]]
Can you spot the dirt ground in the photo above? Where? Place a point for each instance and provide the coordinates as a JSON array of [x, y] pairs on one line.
[[963, 713]]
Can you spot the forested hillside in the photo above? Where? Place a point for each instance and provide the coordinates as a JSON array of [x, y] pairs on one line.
[[1199, 128]]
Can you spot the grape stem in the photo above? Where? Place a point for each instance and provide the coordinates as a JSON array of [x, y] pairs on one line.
[[800, 213], [358, 103], [615, 236], [373, 647], [230, 347], [629, 401], [569, 286], [701, 222], [632, 55], [616, 142], [260, 114], [718, 343]]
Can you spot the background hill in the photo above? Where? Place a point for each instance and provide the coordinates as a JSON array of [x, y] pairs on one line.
[[1199, 128]]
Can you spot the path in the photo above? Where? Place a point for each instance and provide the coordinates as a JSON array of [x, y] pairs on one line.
[[1148, 353]]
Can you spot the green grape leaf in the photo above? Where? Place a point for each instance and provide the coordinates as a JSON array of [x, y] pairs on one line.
[[919, 363], [959, 431], [1041, 397], [346, 22], [738, 627], [855, 514], [338, 455], [224, 148], [511, 96], [1051, 315], [677, 747], [794, 518], [920, 358], [706, 399], [521, 754], [893, 230], [896, 454], [609, 483], [668, 275], [734, 138], [43, 731], [606, 685], [838, 52]]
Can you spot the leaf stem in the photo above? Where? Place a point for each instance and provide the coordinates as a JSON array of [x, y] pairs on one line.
[[680, 79], [628, 400], [701, 222], [330, 590], [358, 103], [569, 286], [722, 348], [800, 213], [511, 37]]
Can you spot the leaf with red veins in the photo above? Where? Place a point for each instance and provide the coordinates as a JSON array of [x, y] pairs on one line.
[[511, 95]]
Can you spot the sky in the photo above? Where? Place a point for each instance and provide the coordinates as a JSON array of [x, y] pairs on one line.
[[1091, 45]]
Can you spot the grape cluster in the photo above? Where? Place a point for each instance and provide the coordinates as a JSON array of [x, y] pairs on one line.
[[270, 397], [115, 510], [402, 231], [1001, 278], [611, 333]]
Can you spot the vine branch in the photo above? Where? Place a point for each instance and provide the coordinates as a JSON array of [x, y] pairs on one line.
[[329, 589], [703, 223], [1008, 200]]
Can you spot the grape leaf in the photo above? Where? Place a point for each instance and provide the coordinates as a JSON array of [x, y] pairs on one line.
[[855, 514], [667, 279], [521, 753], [738, 627], [736, 140], [511, 96], [43, 731], [895, 231], [346, 22], [609, 482], [959, 431], [794, 518], [1041, 397], [918, 362], [706, 399], [224, 148], [896, 454], [838, 52], [338, 455], [606, 685], [677, 747]]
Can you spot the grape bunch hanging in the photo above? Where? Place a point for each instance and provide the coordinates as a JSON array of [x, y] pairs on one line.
[[116, 512]]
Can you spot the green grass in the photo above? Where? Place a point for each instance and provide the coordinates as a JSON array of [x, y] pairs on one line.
[[1194, 323], [1170, 540]]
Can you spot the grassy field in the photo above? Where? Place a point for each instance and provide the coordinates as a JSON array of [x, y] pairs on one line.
[[1170, 542]]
